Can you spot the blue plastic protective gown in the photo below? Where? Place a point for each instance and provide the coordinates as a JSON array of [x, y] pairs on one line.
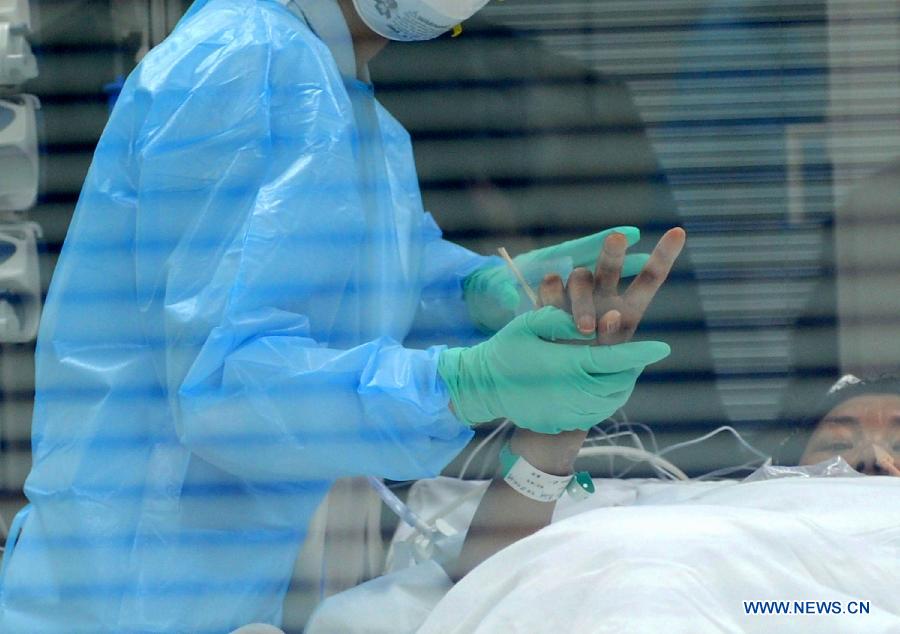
[[223, 335]]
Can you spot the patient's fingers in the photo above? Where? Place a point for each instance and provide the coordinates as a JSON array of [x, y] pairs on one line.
[[609, 265], [581, 298], [644, 287], [552, 291]]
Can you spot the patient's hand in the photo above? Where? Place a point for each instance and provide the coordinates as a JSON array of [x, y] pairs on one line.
[[596, 304], [594, 299], [504, 515]]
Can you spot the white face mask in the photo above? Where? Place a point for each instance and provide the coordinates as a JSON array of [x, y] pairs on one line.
[[414, 20]]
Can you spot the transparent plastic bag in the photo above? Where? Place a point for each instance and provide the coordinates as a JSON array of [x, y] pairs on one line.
[[835, 467]]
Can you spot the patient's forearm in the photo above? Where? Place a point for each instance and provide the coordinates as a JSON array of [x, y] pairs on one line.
[[506, 516]]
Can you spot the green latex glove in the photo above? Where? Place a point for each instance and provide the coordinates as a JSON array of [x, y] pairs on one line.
[[492, 294], [546, 387]]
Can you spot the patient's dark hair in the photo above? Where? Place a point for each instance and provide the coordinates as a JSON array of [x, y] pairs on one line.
[[846, 388]]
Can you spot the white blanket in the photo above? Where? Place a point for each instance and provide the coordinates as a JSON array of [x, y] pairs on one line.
[[681, 558]]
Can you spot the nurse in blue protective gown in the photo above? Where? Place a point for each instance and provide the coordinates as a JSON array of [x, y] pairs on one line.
[[222, 337]]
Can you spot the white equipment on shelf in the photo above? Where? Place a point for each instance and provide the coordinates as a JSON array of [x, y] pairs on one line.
[[18, 152], [17, 63], [20, 281]]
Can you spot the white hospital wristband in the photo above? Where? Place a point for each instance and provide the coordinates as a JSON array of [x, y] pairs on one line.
[[533, 483]]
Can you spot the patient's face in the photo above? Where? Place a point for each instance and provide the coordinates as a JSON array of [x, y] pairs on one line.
[[864, 431]]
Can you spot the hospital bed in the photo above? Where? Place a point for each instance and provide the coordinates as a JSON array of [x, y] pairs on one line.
[[653, 556]]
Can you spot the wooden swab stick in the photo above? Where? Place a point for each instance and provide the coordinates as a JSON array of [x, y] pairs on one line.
[[522, 281]]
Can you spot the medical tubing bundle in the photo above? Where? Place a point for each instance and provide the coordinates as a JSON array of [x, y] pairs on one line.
[[400, 508], [638, 455]]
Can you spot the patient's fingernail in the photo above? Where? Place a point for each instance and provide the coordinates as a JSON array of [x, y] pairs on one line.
[[586, 324], [613, 325]]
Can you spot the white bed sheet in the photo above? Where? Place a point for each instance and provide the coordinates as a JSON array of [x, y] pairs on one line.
[[657, 557]]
